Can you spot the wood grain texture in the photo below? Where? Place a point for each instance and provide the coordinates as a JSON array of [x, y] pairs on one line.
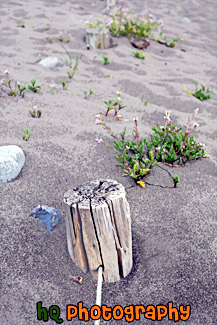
[[98, 227]]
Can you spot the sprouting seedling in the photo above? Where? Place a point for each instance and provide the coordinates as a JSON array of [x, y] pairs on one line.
[[33, 86], [201, 94], [64, 83], [139, 54], [144, 101], [114, 104], [26, 134], [88, 93], [107, 76], [46, 28], [105, 58], [175, 180], [73, 70], [20, 23], [35, 112]]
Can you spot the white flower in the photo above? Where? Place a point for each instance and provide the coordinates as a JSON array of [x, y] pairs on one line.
[[2, 82], [158, 148], [98, 116], [127, 147], [35, 107], [135, 119], [98, 141], [52, 86], [196, 125], [18, 83], [161, 22], [201, 145], [118, 93], [206, 156], [6, 72], [168, 113], [196, 110]]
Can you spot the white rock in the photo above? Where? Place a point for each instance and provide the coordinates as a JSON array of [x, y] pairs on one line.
[[50, 62], [12, 159]]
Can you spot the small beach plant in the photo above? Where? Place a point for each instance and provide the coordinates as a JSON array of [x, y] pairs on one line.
[[200, 93], [168, 145], [143, 100], [26, 134], [114, 105], [88, 93], [14, 87], [20, 23], [64, 83], [105, 58], [35, 112], [33, 87]]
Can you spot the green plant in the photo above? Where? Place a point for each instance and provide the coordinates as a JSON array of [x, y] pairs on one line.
[[20, 23], [169, 43], [26, 134], [105, 58], [175, 180], [144, 101], [174, 147], [33, 86], [168, 145], [121, 22], [14, 86], [63, 38], [35, 112], [64, 83], [114, 104], [50, 39], [107, 76], [139, 55], [201, 94], [74, 68], [88, 93]]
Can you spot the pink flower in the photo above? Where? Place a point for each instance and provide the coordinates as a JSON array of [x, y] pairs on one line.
[[161, 22], [201, 145], [98, 141], [135, 120]]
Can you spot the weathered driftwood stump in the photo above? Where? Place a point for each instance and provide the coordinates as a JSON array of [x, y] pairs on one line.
[[98, 39], [99, 229]]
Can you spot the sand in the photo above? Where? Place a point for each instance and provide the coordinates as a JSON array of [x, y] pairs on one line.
[[173, 229]]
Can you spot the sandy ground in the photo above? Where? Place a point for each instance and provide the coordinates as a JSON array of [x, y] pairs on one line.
[[173, 229]]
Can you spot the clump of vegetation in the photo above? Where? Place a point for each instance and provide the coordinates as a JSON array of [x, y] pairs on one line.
[[26, 134], [168, 144], [200, 93], [35, 112], [32, 86], [114, 104], [88, 93]]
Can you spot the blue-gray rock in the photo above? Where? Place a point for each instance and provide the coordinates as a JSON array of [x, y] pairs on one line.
[[49, 216], [12, 159], [186, 20], [50, 62]]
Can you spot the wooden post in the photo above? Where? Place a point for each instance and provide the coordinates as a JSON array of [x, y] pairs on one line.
[[98, 39], [99, 228]]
